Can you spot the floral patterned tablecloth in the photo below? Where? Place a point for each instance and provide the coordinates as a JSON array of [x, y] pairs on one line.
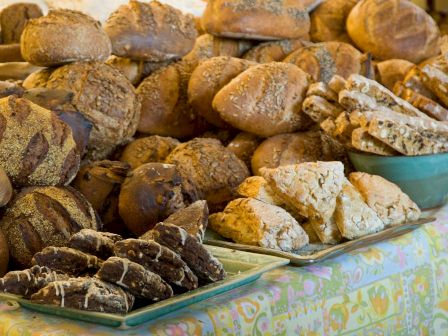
[[398, 287]]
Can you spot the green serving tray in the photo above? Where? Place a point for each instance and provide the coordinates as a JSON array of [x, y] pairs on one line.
[[242, 268]]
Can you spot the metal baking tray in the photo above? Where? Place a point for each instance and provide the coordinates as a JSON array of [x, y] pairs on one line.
[[318, 252], [242, 268]]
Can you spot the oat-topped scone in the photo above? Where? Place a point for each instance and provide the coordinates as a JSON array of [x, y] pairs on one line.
[[353, 216], [391, 204], [250, 221], [326, 230]]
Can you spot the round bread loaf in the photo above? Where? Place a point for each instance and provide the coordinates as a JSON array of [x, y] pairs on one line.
[[211, 168], [328, 21], [38, 78], [150, 149], [150, 31], [391, 71], [4, 254], [5, 188], [393, 29], [265, 99], [244, 146], [106, 98], [44, 216], [324, 60], [274, 51], [252, 19], [287, 149], [14, 18], [64, 36], [207, 79], [36, 148], [150, 194], [165, 109]]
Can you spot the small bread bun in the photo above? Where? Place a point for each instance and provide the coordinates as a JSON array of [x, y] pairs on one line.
[[324, 60], [257, 19], [207, 79], [392, 71], [150, 31], [14, 18], [274, 51], [64, 36], [393, 29], [4, 254], [265, 100]]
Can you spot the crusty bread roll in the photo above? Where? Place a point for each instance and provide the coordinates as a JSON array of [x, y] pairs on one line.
[[4, 254], [207, 79], [150, 31], [244, 145], [257, 19], [324, 60], [10, 53], [64, 36], [38, 78], [328, 21], [14, 18], [17, 70], [393, 29], [165, 109], [265, 100], [133, 70], [274, 51], [392, 71]]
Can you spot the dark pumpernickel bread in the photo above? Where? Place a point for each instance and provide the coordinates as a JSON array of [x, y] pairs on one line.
[[14, 18], [99, 244], [44, 216], [86, 294], [204, 265], [159, 260], [135, 279]]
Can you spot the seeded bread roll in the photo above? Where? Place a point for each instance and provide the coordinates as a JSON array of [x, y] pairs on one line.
[[45, 216], [248, 19], [150, 31], [64, 36], [324, 60], [328, 21], [393, 29], [274, 51], [45, 153], [149, 195], [10, 53], [392, 71], [14, 18], [165, 109], [207, 79], [4, 254], [244, 146], [265, 100], [214, 170], [133, 70], [150, 149], [106, 98]]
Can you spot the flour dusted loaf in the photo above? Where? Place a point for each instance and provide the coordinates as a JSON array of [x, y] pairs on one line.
[[273, 51], [250, 221], [44, 216], [85, 293], [265, 100], [250, 19], [393, 29], [391, 204], [36, 148], [64, 36], [211, 168], [150, 31], [14, 18]]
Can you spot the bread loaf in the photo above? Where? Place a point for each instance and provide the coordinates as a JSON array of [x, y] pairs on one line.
[[250, 19], [6, 190], [14, 18], [45, 153], [64, 36], [133, 70], [392, 71], [214, 170], [207, 79], [4, 254], [150, 149], [105, 97], [165, 109], [38, 78], [10, 53], [393, 29], [265, 100], [44, 216], [150, 31], [324, 60], [274, 51], [149, 195], [244, 146]]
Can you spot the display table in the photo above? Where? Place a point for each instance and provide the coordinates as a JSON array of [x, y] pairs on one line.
[[399, 287]]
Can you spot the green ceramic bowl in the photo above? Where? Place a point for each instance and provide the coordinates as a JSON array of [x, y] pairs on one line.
[[424, 178]]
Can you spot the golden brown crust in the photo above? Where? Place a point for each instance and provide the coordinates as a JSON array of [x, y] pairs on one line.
[[38, 78], [393, 29], [150, 31], [244, 145], [392, 71], [10, 53], [274, 51], [5, 188], [64, 36], [14, 18]]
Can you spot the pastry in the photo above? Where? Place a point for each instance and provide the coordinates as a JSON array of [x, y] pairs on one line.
[[319, 109], [363, 141], [273, 51], [99, 244], [326, 230], [14, 18], [323, 90]]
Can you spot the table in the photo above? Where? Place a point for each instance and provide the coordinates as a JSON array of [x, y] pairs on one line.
[[398, 287]]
